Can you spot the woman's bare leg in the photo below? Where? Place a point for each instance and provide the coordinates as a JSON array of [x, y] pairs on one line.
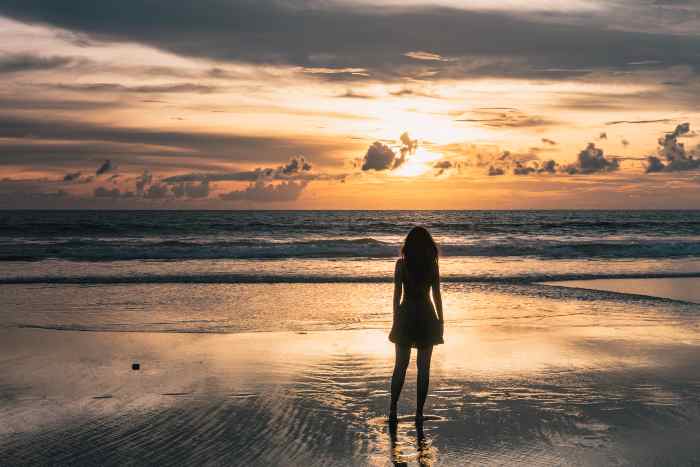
[[423, 364], [403, 355]]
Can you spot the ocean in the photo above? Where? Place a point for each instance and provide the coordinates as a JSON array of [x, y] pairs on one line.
[[189, 269]]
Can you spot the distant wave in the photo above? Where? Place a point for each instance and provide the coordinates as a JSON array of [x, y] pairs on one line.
[[225, 278], [139, 249]]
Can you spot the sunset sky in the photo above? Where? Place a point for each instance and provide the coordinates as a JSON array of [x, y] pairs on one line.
[[343, 104]]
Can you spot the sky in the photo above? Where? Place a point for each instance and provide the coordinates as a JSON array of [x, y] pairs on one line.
[[347, 104]]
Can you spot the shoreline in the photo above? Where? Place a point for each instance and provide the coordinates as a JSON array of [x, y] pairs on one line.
[[533, 394]]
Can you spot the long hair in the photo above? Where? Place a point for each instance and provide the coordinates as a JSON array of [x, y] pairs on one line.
[[420, 255]]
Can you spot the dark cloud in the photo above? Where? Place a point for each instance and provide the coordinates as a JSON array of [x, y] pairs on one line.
[[157, 191], [549, 166], [443, 166], [71, 176], [297, 168], [15, 63], [495, 171], [592, 160], [146, 142], [327, 36], [549, 141], [102, 192], [672, 155], [104, 168], [350, 94], [637, 122], [510, 118], [260, 191], [296, 165], [145, 89], [379, 156], [603, 135]]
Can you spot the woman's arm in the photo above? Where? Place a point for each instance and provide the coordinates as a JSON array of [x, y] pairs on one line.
[[437, 296], [397, 287]]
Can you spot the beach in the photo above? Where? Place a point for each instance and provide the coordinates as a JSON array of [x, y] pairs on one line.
[[608, 380]]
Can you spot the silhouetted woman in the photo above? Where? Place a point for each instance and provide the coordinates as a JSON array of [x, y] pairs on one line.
[[415, 322]]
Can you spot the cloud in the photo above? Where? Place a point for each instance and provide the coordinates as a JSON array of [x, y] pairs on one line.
[[143, 181], [603, 135], [144, 89], [145, 142], [549, 141], [637, 122], [191, 190], [157, 191], [592, 160], [297, 167], [325, 37], [104, 168], [350, 94], [510, 118], [495, 171], [21, 62], [672, 155], [428, 56], [102, 192], [443, 166], [71, 177], [263, 192], [379, 156]]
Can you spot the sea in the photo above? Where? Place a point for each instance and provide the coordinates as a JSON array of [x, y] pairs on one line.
[[233, 271]]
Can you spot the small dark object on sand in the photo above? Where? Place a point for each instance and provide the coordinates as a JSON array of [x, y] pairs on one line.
[[136, 366]]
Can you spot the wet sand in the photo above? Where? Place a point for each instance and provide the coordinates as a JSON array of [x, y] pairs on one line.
[[686, 289], [535, 394]]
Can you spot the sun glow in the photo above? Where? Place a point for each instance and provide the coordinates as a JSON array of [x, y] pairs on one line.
[[417, 164]]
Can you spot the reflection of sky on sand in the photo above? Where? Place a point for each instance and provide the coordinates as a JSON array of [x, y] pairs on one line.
[[568, 379]]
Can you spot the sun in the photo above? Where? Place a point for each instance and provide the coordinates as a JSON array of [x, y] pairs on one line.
[[417, 164]]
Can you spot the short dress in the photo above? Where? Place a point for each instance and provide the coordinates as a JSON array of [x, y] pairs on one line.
[[416, 323]]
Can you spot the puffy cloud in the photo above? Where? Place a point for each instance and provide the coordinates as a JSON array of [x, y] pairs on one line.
[[592, 160], [263, 192], [521, 169], [549, 166], [379, 156], [672, 155], [104, 168], [495, 171], [296, 165]]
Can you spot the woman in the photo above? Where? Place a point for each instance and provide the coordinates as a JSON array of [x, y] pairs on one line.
[[415, 322]]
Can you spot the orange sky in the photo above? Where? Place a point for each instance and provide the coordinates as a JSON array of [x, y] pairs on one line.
[[338, 105]]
